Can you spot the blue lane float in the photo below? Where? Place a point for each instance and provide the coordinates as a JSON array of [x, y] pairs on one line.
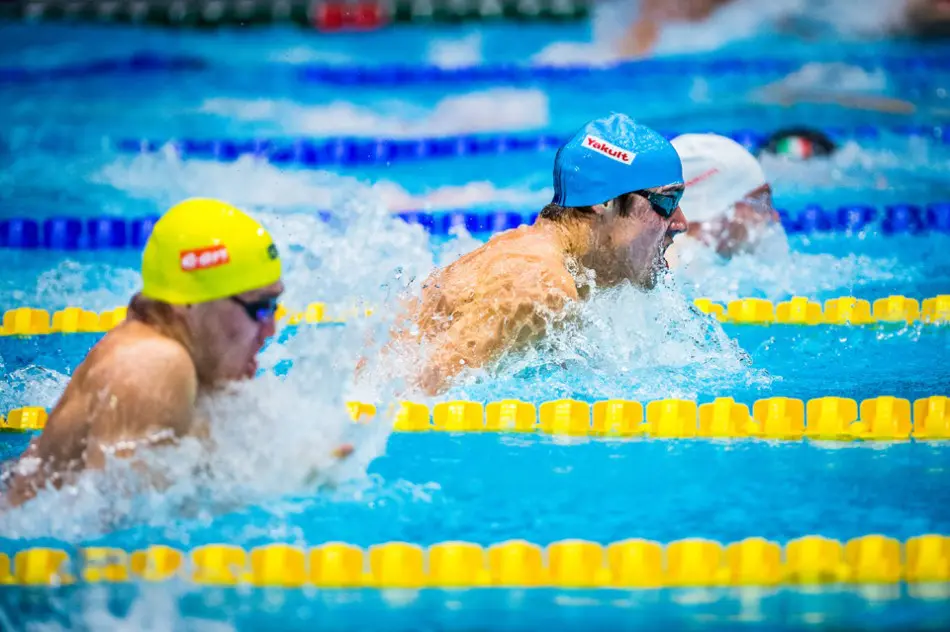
[[137, 64], [113, 233], [147, 62], [320, 153], [71, 233], [404, 74]]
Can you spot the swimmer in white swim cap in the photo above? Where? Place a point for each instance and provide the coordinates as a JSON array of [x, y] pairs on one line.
[[728, 200]]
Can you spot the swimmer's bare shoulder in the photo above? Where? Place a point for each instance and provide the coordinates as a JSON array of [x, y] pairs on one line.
[[500, 296], [521, 265], [537, 271], [146, 390], [135, 386]]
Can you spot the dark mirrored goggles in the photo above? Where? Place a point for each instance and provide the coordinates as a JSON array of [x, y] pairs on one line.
[[259, 310], [665, 202]]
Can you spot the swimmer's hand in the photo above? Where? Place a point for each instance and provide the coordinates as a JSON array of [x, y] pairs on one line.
[[343, 451], [313, 477], [787, 96]]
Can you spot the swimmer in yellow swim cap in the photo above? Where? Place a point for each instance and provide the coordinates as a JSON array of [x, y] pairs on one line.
[[211, 278]]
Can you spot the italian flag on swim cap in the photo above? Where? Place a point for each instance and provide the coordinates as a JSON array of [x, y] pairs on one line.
[[795, 146]]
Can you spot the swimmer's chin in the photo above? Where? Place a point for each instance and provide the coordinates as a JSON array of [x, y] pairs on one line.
[[247, 373], [659, 268]]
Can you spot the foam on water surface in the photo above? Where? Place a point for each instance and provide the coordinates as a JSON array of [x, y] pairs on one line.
[[494, 110]]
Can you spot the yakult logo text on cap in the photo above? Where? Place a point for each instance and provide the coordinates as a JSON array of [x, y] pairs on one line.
[[204, 258], [611, 151]]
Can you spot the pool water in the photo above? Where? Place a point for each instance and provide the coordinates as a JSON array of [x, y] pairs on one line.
[[60, 157]]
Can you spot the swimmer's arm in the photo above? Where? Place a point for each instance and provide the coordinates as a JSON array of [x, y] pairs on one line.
[[780, 94], [478, 337], [643, 34], [134, 399], [640, 39], [149, 402]]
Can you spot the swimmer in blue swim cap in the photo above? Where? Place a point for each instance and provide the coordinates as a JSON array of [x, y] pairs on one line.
[[617, 187]]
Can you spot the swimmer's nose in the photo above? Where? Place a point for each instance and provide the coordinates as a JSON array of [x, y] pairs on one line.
[[678, 223], [268, 328]]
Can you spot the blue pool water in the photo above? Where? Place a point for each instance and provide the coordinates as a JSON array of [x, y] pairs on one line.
[[59, 158]]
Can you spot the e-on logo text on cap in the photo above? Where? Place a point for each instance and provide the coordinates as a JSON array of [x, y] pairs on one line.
[[611, 151], [203, 258]]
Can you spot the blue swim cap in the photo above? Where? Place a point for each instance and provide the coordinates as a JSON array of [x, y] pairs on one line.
[[612, 156]]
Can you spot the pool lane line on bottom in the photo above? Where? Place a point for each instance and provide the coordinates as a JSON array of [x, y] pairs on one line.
[[882, 418], [799, 310], [572, 563]]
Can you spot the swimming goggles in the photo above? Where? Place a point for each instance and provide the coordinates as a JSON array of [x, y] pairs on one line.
[[664, 203], [259, 310]]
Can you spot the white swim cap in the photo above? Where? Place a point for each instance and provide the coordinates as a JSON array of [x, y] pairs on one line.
[[718, 172]]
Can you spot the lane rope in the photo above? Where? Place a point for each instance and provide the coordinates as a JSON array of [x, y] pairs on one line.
[[573, 563], [401, 74], [307, 153], [892, 310], [137, 64], [117, 233], [883, 418]]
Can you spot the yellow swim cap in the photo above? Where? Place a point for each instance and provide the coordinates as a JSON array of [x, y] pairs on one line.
[[203, 250]]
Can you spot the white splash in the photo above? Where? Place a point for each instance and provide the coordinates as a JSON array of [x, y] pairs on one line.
[[294, 418], [250, 183], [467, 195], [495, 110], [917, 164], [307, 55], [154, 608], [659, 335], [32, 385], [575, 53], [622, 342], [456, 53], [775, 272], [91, 286], [842, 77]]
